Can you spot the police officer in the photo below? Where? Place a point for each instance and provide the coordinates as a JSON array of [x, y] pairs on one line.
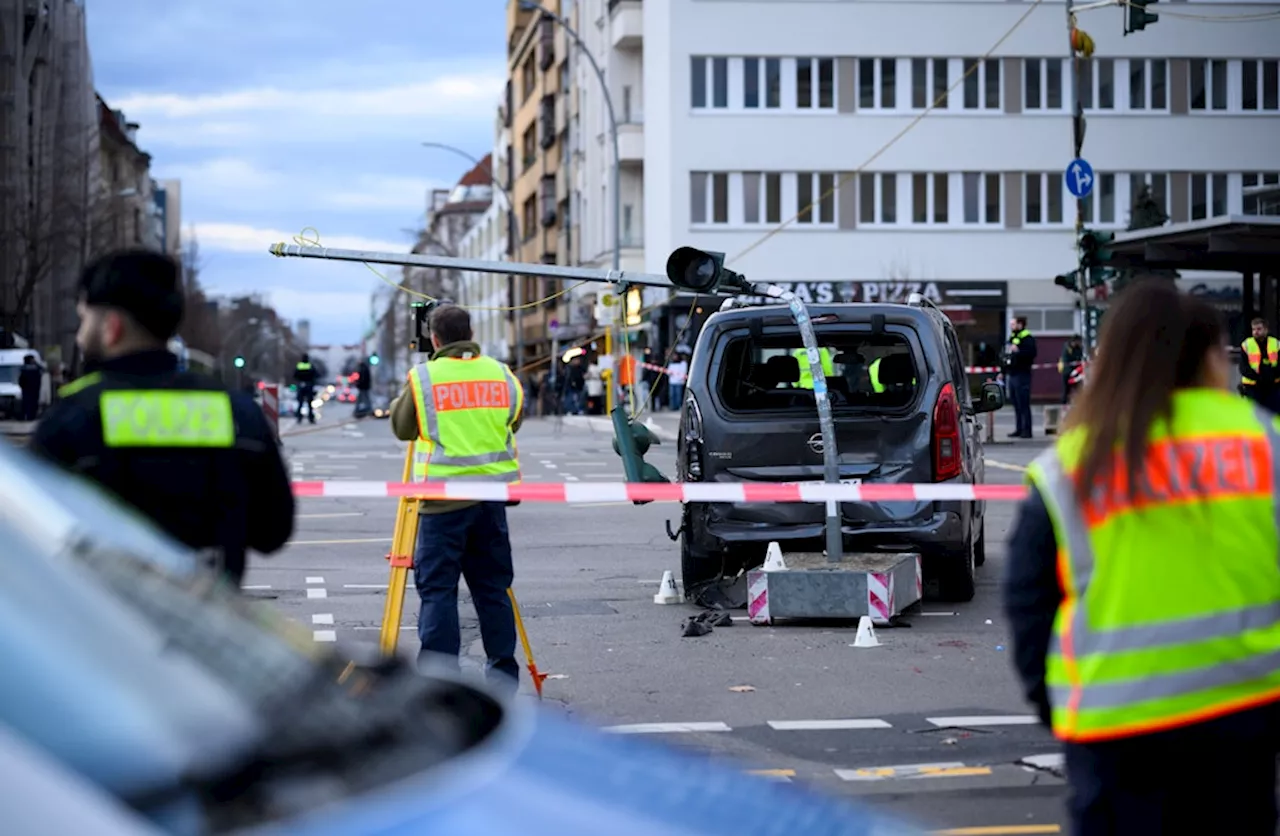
[[1259, 361], [304, 377], [1143, 586], [806, 372], [461, 410], [1020, 358], [200, 461]]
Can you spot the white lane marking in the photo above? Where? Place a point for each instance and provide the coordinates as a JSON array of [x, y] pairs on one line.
[[315, 579], [333, 467], [666, 728], [1054, 761], [826, 725], [569, 478], [322, 618], [330, 516], [591, 464], [1006, 466], [317, 593], [993, 720], [548, 465], [325, 635], [258, 586], [937, 613], [612, 477], [368, 586]]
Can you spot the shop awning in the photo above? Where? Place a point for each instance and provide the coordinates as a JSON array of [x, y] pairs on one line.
[[1235, 243]]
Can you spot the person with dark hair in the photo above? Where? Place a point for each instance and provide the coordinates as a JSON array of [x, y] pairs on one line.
[[1260, 365], [200, 461], [1142, 583], [1020, 358], [461, 411]]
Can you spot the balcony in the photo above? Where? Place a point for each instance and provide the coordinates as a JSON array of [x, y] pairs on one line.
[[546, 44], [626, 24], [631, 143]]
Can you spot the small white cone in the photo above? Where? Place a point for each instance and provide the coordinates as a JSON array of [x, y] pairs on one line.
[[773, 561], [667, 592], [866, 633]]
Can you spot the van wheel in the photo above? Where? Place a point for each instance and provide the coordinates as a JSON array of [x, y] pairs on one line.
[[980, 550], [697, 567], [956, 574]]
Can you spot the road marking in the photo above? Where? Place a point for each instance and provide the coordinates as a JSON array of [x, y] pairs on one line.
[[330, 516], [996, 720], [333, 467], [666, 728], [937, 613], [369, 585], [322, 618], [325, 635], [826, 725], [338, 542], [781, 775], [317, 593], [548, 465], [569, 478], [1006, 466], [1054, 761], [919, 770], [258, 586], [315, 580], [1000, 830]]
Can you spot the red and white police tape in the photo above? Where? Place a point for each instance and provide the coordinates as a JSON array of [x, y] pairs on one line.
[[733, 492]]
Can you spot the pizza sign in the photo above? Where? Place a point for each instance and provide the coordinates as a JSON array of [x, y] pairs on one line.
[[829, 292]]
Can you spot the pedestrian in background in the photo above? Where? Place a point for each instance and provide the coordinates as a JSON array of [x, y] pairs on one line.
[[200, 461], [1072, 357], [1020, 358], [1259, 361], [30, 381], [462, 410], [595, 390], [364, 382], [677, 376], [1143, 582], [304, 377]]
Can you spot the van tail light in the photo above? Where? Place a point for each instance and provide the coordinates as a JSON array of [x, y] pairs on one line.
[[692, 440], [946, 435]]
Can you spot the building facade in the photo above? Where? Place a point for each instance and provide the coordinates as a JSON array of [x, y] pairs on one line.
[[487, 295], [792, 137]]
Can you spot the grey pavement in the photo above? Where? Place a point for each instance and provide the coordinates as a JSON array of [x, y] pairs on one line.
[[930, 725]]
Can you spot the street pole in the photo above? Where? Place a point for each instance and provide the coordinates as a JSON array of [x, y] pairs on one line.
[[1077, 141], [619, 287]]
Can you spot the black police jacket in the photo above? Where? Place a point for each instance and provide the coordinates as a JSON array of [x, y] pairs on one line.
[[233, 497]]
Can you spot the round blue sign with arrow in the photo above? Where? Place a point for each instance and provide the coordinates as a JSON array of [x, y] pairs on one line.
[[1079, 177]]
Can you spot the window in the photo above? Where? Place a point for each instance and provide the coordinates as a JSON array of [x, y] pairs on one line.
[[878, 198], [628, 211], [528, 78], [1148, 84], [529, 146], [929, 83], [1208, 84], [815, 83], [815, 198], [1157, 183], [1098, 84], [1208, 196], [626, 103], [1260, 84], [710, 81], [929, 198], [751, 82], [1042, 84], [1100, 205], [529, 217], [763, 375], [1047, 320], [982, 84], [1253, 203], [761, 190], [982, 200], [709, 194], [548, 200], [1043, 196], [877, 83]]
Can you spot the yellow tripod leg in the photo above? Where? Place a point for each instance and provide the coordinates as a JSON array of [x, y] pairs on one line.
[[524, 642], [403, 541]]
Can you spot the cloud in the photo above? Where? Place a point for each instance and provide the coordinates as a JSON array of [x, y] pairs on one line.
[[321, 306], [242, 238]]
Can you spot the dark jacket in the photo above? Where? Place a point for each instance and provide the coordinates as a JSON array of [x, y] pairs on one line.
[[29, 379], [1021, 361], [1031, 596], [1266, 375], [1072, 355], [232, 499], [365, 381], [304, 377]]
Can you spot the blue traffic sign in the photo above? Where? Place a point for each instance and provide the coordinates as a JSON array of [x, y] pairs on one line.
[[1079, 177]]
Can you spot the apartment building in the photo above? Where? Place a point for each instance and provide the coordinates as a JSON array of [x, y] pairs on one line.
[[487, 295], [759, 114]]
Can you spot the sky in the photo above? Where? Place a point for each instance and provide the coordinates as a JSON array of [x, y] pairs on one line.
[[279, 115]]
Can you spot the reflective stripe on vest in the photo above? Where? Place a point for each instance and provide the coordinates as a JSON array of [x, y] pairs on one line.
[[420, 457], [166, 418], [806, 373], [466, 408], [1171, 608], [302, 367], [1253, 352]]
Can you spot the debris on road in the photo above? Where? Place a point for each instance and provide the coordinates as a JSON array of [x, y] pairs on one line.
[[703, 623], [742, 689]]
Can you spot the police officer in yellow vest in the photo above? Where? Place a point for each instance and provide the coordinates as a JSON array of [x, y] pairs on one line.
[[1143, 582], [806, 373], [462, 410], [200, 461], [1259, 362]]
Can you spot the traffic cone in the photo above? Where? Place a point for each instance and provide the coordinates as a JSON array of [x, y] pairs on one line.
[[866, 634], [773, 561], [667, 592]]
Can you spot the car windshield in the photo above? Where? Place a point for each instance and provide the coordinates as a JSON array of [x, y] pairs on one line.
[[864, 371]]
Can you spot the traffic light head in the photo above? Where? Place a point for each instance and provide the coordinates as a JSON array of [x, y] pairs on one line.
[[373, 359], [631, 441], [1137, 17], [1094, 248], [239, 362], [702, 272], [1071, 281]]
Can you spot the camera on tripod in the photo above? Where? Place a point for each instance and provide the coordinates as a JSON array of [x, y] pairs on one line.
[[421, 341]]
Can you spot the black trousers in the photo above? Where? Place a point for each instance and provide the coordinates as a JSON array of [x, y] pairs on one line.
[[1215, 777]]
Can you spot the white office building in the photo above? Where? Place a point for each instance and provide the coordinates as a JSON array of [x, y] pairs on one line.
[[736, 117]]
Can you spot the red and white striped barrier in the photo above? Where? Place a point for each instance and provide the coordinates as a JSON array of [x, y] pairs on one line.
[[271, 406], [999, 369], [735, 492]]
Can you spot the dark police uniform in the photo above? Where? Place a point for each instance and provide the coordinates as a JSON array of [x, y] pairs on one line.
[[198, 460]]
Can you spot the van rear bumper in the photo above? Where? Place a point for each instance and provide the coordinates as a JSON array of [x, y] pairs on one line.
[[936, 525]]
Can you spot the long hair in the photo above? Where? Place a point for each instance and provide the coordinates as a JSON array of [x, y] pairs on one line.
[[1154, 341]]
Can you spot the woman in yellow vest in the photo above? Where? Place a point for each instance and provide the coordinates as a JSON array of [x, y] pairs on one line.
[[1143, 582]]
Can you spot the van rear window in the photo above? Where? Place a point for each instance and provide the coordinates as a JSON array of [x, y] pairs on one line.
[[772, 374]]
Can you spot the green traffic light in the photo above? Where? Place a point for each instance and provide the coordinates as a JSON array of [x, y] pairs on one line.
[[373, 360], [239, 362]]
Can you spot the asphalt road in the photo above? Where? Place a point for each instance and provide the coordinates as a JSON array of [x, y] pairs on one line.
[[930, 725]]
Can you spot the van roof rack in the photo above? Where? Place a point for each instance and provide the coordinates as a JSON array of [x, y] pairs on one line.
[[919, 300]]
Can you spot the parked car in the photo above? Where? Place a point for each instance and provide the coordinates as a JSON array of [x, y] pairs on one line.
[[142, 696], [903, 414]]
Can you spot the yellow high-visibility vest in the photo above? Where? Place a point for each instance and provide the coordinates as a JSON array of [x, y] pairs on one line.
[[1171, 607], [806, 373], [1253, 352], [466, 410], [873, 372]]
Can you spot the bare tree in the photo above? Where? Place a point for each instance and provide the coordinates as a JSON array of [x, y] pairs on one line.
[[199, 327]]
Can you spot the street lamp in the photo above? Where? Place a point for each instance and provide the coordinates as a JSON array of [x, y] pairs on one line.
[[529, 5], [513, 233]]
